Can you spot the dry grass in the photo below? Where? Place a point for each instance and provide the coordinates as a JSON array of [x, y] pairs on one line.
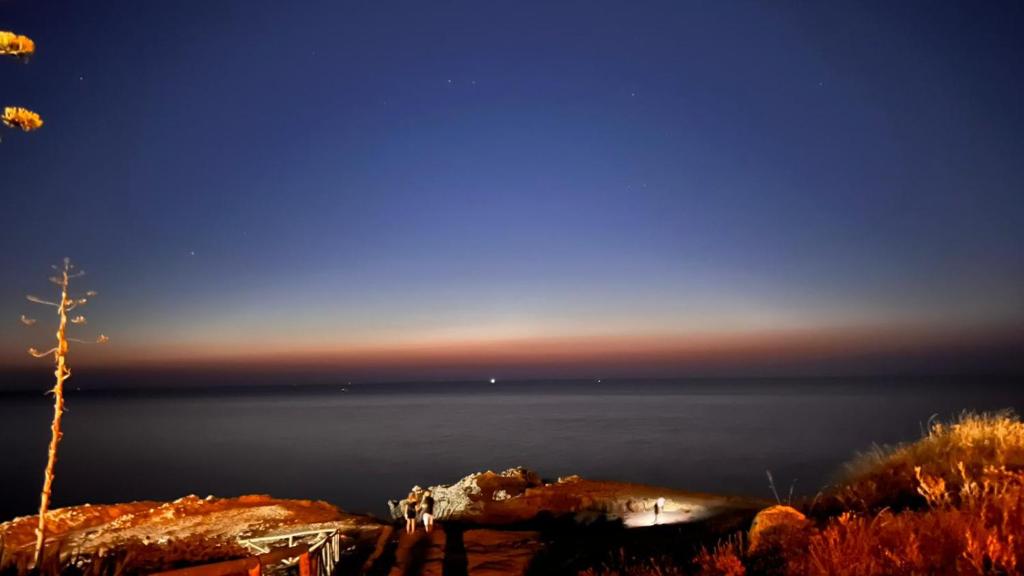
[[725, 559], [649, 567], [886, 478], [961, 491]]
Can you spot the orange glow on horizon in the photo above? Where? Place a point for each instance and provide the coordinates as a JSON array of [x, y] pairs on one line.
[[637, 354]]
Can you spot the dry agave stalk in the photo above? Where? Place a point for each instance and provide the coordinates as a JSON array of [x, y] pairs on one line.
[[64, 305], [12, 44]]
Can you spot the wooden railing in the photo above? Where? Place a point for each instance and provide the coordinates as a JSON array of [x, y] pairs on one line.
[[318, 559]]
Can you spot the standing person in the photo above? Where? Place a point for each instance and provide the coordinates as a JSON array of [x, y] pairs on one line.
[[427, 509], [411, 505], [659, 506]]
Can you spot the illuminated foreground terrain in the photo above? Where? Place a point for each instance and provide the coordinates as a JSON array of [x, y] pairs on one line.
[[952, 502]]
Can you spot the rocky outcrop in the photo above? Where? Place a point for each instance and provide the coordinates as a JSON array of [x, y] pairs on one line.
[[518, 495], [468, 496], [147, 536]]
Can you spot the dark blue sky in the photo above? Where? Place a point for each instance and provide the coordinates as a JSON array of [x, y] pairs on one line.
[[336, 177]]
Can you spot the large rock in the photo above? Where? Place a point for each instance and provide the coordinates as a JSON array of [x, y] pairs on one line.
[[468, 497], [518, 495]]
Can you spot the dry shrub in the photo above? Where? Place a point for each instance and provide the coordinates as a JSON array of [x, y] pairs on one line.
[[976, 530], [726, 559], [623, 564], [982, 533], [970, 521], [776, 526], [651, 568], [886, 478]]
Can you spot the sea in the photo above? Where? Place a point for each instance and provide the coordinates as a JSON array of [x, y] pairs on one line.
[[358, 445]]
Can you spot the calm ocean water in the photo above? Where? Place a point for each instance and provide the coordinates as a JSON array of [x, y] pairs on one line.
[[359, 448]]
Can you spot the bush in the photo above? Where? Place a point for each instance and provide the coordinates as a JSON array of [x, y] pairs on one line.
[[959, 494], [886, 478]]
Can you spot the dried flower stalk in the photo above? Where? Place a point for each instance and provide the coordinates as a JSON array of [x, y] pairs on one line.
[[12, 44], [62, 373], [23, 118]]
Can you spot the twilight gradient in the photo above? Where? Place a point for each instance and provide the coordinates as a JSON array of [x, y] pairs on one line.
[[455, 189]]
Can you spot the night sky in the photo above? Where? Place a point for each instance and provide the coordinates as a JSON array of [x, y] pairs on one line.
[[468, 189]]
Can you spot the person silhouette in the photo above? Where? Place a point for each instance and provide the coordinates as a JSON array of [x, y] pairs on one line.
[[411, 506], [427, 510]]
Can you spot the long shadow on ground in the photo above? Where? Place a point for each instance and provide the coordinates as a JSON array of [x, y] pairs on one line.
[[455, 561], [607, 544]]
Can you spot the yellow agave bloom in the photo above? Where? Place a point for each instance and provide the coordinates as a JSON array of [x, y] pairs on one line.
[[22, 118], [15, 45]]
